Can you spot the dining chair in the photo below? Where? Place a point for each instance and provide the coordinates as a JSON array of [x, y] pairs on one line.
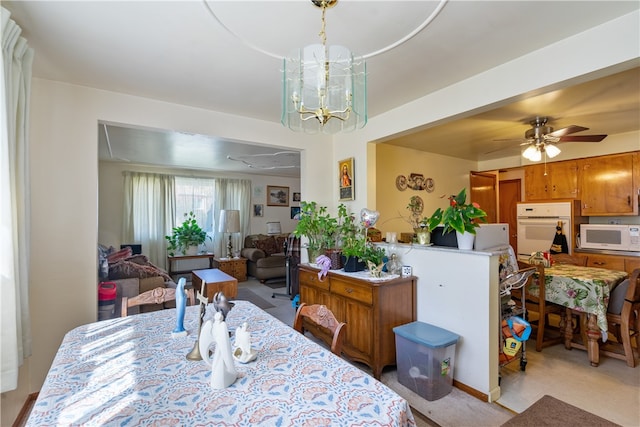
[[158, 295], [546, 334], [623, 318], [320, 320]]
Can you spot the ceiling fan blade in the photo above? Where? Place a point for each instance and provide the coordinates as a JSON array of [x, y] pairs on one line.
[[566, 131], [582, 138]]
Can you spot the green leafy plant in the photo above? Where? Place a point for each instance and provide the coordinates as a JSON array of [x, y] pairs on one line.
[[373, 253], [185, 235], [460, 216], [317, 225]]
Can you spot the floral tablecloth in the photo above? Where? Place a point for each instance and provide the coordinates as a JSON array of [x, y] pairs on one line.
[[130, 371], [584, 289]]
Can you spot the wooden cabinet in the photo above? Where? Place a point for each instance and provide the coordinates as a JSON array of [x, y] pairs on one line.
[[558, 180], [612, 262], [236, 267], [607, 184], [370, 310]]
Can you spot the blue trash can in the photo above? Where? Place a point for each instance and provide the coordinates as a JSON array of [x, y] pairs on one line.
[[425, 357]]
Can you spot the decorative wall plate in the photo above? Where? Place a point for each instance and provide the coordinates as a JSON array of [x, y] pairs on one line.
[[429, 185], [401, 182]]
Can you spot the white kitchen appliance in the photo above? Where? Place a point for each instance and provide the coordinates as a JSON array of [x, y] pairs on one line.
[[537, 226], [492, 237], [615, 237]]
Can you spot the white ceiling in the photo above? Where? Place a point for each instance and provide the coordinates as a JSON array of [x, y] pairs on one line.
[[177, 52]]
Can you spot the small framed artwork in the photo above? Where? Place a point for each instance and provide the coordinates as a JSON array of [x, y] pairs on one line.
[[258, 210], [295, 212], [346, 179], [277, 196], [296, 197]]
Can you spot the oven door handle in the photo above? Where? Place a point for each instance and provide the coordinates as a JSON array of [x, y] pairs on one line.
[[539, 221]]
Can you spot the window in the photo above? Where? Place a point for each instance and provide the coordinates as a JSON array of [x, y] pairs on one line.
[[195, 195]]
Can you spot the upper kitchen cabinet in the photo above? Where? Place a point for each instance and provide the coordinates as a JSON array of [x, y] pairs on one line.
[[609, 184], [558, 180]]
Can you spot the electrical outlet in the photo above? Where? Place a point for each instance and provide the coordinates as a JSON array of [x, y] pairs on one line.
[[614, 221]]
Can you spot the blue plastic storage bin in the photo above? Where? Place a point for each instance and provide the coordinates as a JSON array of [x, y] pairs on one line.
[[425, 357]]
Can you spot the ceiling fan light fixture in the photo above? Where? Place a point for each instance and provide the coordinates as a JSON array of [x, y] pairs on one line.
[[532, 153], [551, 150], [324, 88]]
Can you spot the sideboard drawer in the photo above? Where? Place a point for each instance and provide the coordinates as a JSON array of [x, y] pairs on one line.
[[352, 290], [311, 279], [604, 261]]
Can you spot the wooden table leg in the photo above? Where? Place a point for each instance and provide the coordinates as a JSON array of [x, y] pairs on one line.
[[593, 335], [568, 329]]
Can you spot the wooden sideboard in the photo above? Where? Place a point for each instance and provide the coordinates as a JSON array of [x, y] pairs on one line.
[[371, 309]]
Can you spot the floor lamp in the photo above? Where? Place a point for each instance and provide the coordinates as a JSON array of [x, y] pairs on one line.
[[229, 223]]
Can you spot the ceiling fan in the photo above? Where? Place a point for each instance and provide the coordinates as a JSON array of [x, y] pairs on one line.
[[541, 138]]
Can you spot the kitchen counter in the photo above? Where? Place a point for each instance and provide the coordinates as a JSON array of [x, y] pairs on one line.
[[606, 252]]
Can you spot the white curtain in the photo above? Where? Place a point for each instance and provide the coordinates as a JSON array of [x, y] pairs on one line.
[[15, 89], [149, 212], [231, 194]]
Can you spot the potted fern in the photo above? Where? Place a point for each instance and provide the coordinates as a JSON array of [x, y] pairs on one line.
[[187, 237]]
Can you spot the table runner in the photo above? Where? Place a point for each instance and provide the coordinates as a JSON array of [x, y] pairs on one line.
[[129, 371]]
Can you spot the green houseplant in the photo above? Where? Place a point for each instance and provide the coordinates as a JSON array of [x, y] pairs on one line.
[[186, 235], [459, 215], [318, 226]]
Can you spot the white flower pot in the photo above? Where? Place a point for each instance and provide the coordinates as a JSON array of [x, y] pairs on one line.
[[465, 240]]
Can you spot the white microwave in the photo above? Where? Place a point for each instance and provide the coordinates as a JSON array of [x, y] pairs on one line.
[[610, 236]]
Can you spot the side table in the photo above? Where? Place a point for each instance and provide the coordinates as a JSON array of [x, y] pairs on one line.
[[172, 259], [236, 267], [213, 280]]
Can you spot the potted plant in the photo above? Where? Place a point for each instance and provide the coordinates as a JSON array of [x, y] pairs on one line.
[[318, 227], [461, 217], [422, 226], [353, 242], [186, 237]]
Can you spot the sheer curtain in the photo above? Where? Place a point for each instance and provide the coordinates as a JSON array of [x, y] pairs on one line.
[[15, 89], [149, 211], [231, 194]]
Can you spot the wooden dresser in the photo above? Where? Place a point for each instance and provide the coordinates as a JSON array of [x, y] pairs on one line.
[[370, 309]]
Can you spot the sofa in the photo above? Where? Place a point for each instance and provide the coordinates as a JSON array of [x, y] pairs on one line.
[[132, 275], [265, 256]]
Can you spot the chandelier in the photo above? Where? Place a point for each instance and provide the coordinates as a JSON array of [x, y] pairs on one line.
[[324, 87]]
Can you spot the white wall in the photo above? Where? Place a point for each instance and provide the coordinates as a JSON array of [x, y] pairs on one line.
[[64, 170]]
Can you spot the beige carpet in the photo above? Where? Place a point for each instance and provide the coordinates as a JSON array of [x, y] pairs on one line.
[[248, 295], [551, 412]]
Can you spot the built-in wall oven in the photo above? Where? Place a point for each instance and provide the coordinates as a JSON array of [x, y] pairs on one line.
[[537, 226]]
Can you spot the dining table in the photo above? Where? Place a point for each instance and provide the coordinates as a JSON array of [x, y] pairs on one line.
[[584, 291], [130, 371]]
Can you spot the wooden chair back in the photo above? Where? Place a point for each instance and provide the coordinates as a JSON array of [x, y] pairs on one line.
[[546, 334], [626, 325], [158, 295], [320, 316]]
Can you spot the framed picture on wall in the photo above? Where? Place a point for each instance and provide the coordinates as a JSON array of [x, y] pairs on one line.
[[277, 196], [346, 179], [296, 197], [295, 212], [258, 210]]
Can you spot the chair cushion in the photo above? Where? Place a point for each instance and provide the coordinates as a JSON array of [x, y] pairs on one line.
[[616, 299], [274, 261]]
